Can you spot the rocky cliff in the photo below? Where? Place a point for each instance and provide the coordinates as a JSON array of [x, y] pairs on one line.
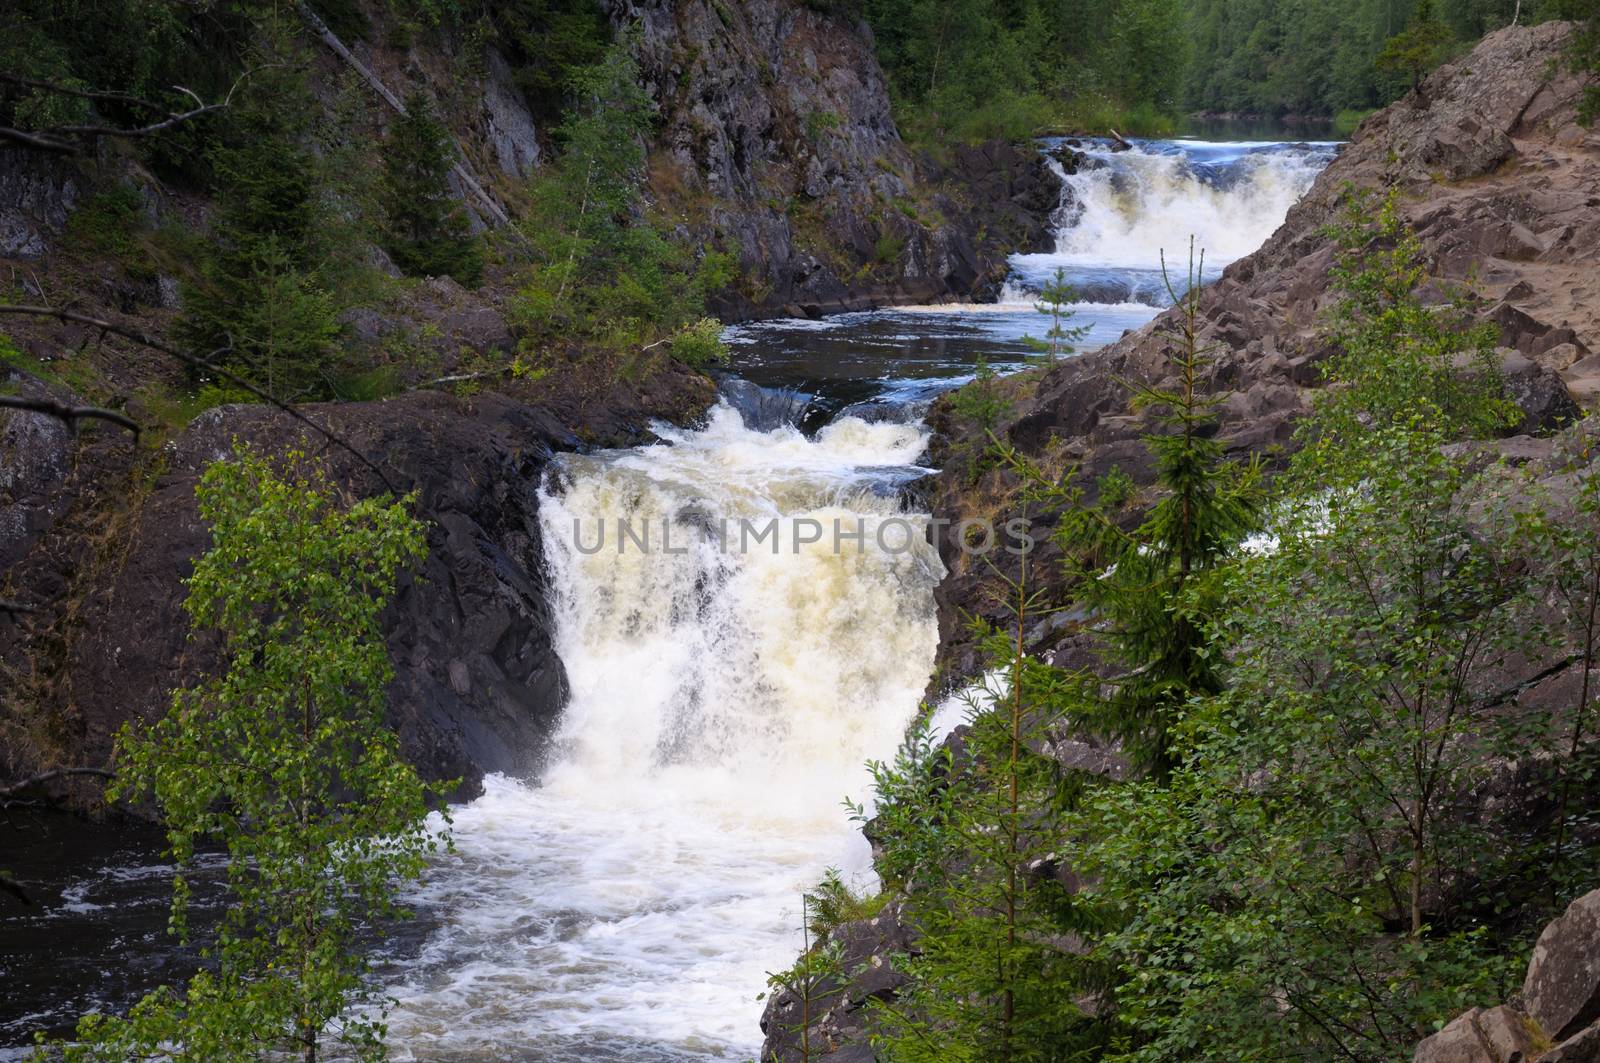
[[776, 140], [1556, 1016]]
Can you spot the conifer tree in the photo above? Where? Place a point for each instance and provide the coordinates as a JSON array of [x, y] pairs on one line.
[[258, 301], [426, 230], [1149, 587], [1418, 48]]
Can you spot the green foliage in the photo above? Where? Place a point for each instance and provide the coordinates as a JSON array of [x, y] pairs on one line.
[[1307, 882], [994, 974], [1155, 586], [108, 222], [259, 301], [699, 344], [284, 760], [1054, 298], [602, 271], [426, 230], [1418, 48], [833, 903], [1398, 358], [548, 45], [980, 404], [971, 69], [1583, 52]]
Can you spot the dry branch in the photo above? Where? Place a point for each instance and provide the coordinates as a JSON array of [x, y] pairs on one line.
[[70, 414], [12, 789]]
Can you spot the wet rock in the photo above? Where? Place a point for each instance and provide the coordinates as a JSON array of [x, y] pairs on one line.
[[478, 686], [836, 1005]]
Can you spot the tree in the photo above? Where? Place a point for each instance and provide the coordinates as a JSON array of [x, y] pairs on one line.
[[996, 972], [1418, 48], [1150, 586], [1054, 297], [603, 271], [282, 757], [1314, 880], [426, 230], [258, 302]]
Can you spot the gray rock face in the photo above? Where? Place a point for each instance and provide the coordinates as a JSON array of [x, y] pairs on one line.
[[777, 138], [478, 686], [36, 195], [1495, 1035], [35, 454], [1562, 991], [1559, 1021], [834, 1016], [507, 126]]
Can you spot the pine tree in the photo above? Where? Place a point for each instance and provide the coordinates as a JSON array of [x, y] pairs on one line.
[[426, 230], [1418, 48], [1149, 587], [266, 250]]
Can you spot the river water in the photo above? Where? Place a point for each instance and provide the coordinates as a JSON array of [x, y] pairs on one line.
[[628, 904]]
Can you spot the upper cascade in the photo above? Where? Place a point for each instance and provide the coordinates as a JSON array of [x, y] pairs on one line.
[[1123, 212]]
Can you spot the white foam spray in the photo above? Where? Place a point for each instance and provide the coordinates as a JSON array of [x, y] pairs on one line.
[[629, 905]]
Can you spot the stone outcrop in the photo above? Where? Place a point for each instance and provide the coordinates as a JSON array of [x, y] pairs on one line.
[[831, 1012], [1556, 1019], [478, 686], [776, 139]]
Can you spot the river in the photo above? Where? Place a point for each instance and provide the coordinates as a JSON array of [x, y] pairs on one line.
[[628, 904]]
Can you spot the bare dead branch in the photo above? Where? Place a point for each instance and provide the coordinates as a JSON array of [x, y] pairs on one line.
[[15, 608], [196, 362], [43, 777], [70, 414], [37, 142], [61, 139]]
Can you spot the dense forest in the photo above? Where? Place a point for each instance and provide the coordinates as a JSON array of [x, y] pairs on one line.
[[974, 67]]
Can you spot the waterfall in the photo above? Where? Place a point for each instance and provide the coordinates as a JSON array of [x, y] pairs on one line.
[[1121, 211], [724, 701]]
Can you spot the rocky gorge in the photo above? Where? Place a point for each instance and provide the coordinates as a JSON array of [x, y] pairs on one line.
[[1501, 185], [776, 141]]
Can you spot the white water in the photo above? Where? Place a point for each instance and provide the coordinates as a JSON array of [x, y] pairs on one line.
[[1118, 220], [629, 905]]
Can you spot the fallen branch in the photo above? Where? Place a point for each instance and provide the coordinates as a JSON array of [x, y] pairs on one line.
[[461, 378], [1121, 140], [203, 364], [58, 138], [70, 414], [51, 776], [15, 608]]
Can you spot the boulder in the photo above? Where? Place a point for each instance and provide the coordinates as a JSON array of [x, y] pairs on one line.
[[1562, 991], [1582, 1047], [1493, 1035]]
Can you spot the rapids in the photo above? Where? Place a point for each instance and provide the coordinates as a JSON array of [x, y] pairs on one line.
[[628, 903]]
